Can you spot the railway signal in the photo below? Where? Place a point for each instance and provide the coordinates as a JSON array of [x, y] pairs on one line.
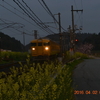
[[76, 41]]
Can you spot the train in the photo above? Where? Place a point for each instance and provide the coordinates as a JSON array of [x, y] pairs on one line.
[[44, 48]]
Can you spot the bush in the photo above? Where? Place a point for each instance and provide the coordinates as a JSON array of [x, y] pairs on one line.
[[68, 56], [13, 56], [37, 82]]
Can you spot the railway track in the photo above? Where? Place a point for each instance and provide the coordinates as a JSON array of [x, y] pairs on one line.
[[6, 67]]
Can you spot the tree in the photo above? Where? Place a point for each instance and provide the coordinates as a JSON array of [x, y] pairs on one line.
[[85, 48]]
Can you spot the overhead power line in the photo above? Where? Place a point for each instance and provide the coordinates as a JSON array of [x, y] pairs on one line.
[[14, 8], [8, 26], [80, 18], [18, 14], [44, 7], [50, 13], [11, 25], [36, 20]]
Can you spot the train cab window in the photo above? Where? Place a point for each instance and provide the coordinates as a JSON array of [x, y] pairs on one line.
[[33, 44], [40, 44], [46, 43]]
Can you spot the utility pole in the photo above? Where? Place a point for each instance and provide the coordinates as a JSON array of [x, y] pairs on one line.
[[60, 34], [73, 30], [35, 34]]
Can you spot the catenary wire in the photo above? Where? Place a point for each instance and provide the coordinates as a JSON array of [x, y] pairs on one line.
[[9, 26], [24, 9], [47, 12], [37, 18], [44, 7], [18, 15], [14, 8], [17, 10], [11, 21], [51, 13], [79, 15]]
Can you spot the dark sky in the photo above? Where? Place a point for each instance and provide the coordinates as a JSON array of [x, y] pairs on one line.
[[10, 14]]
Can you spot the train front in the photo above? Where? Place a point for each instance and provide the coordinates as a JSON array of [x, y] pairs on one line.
[[40, 48]]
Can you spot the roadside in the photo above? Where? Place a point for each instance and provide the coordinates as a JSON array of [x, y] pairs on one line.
[[94, 57], [86, 80]]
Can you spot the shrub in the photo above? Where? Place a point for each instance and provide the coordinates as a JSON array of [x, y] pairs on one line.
[[37, 82], [13, 56]]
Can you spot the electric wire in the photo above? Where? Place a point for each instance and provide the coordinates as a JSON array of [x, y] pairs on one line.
[[14, 27], [35, 15], [75, 4], [82, 3], [9, 26], [32, 12], [51, 13], [47, 12], [17, 15], [79, 15], [44, 7], [14, 8], [20, 25], [30, 15]]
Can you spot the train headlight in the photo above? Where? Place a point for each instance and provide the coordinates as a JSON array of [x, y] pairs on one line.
[[46, 48], [33, 48]]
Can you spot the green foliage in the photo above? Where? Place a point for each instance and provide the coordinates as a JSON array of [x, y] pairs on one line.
[[81, 55], [38, 82], [69, 56], [13, 56]]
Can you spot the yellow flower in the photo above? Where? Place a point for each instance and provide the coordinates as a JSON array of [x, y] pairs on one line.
[[54, 87]]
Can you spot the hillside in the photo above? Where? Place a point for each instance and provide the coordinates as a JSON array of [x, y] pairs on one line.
[[82, 39], [8, 43]]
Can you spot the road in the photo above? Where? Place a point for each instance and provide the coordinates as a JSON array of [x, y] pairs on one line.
[[86, 80]]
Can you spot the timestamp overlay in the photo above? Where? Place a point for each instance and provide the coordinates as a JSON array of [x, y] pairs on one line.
[[86, 80]]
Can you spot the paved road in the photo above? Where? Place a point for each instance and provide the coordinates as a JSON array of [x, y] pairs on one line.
[[87, 80]]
